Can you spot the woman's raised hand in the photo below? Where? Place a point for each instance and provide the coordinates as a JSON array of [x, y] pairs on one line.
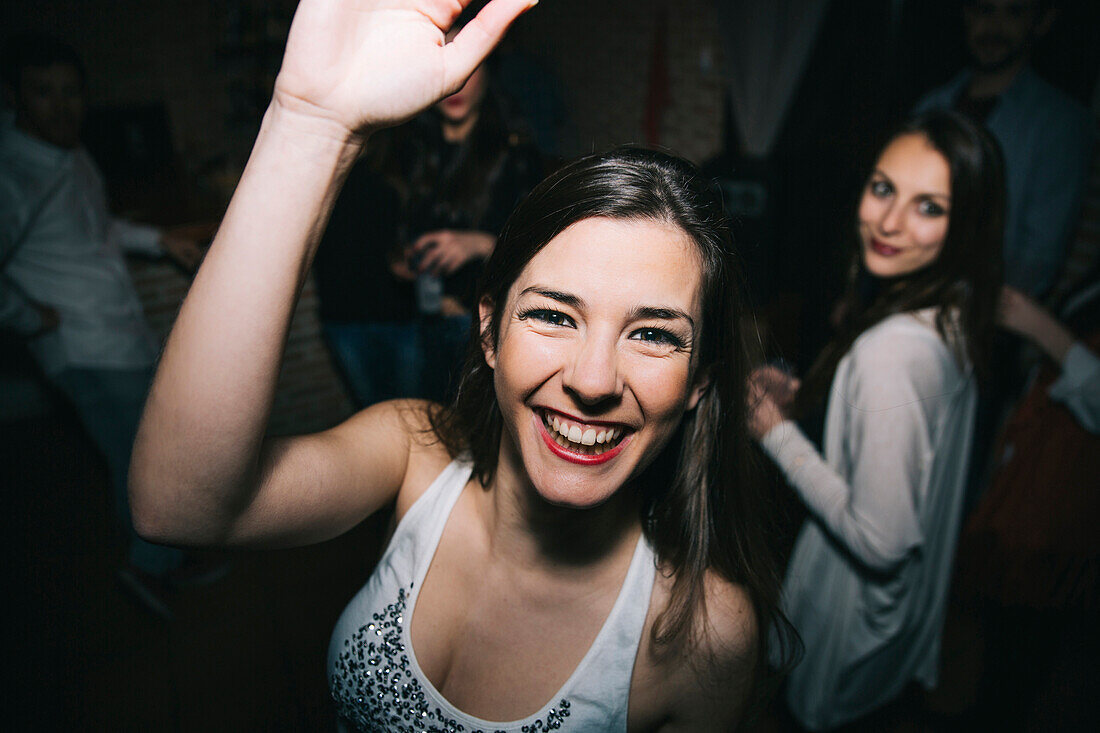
[[368, 64]]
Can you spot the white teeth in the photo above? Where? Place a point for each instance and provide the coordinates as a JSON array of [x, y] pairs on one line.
[[565, 433]]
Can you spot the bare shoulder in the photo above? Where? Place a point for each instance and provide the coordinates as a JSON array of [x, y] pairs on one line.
[[730, 632], [703, 683], [428, 456]]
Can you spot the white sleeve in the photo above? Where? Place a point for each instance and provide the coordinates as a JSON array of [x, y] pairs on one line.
[[1078, 387], [891, 393], [17, 313]]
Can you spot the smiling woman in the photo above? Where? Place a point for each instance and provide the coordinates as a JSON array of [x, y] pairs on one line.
[[905, 208], [866, 586], [570, 342], [581, 544], [591, 396]]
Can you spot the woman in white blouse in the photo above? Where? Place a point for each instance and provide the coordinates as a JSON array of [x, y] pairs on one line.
[[867, 582]]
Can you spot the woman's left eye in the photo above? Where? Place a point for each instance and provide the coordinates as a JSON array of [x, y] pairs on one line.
[[931, 208], [657, 336]]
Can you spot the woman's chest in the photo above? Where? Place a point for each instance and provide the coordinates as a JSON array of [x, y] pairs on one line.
[[500, 644]]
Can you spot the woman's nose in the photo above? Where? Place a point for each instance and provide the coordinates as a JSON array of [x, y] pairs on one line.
[[891, 220], [593, 375]]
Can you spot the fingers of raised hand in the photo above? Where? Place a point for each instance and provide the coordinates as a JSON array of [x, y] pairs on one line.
[[477, 39]]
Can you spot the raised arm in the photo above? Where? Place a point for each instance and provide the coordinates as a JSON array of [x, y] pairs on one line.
[[202, 472]]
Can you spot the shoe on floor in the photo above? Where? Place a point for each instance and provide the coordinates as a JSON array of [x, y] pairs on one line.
[[148, 590]]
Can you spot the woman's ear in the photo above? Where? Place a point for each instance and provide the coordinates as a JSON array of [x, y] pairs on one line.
[[485, 320], [699, 388]]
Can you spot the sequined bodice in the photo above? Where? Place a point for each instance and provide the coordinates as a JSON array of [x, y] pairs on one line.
[[377, 684]]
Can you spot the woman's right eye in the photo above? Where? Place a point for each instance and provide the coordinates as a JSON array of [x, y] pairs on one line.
[[881, 189], [551, 317]]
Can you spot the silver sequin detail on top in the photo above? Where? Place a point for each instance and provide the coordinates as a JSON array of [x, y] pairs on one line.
[[375, 689]]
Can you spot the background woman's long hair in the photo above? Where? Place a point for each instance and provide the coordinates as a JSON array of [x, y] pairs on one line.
[[704, 505], [445, 186], [438, 190], [964, 280]]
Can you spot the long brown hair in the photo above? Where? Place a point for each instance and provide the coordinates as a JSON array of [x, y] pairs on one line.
[[962, 282], [704, 505]]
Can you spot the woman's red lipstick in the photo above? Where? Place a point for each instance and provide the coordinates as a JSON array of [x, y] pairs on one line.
[[583, 459], [883, 249]]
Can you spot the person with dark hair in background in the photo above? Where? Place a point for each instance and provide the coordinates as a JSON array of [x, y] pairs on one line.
[[418, 215], [867, 583], [1047, 138], [1048, 141], [64, 284], [580, 544]]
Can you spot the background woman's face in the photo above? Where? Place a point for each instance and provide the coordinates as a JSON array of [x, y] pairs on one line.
[[594, 366], [905, 209], [466, 101], [458, 107]]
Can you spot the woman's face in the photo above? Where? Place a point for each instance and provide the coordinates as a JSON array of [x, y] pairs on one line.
[[905, 209], [594, 363]]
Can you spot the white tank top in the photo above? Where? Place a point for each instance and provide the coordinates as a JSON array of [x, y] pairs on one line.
[[373, 674]]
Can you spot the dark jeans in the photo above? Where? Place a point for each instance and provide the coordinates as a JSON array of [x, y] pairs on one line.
[[388, 360]]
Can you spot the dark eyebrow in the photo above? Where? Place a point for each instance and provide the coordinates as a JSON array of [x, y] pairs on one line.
[[640, 311], [564, 298], [664, 314]]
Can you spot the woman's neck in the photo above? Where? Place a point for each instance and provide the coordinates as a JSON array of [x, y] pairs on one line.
[[527, 529], [458, 130]]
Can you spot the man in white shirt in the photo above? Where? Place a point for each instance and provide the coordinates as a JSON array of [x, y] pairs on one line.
[[64, 284]]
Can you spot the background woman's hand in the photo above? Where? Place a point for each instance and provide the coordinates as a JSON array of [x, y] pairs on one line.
[[444, 251], [368, 64], [771, 393]]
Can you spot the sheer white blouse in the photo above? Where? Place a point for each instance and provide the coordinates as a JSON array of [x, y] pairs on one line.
[[868, 580]]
